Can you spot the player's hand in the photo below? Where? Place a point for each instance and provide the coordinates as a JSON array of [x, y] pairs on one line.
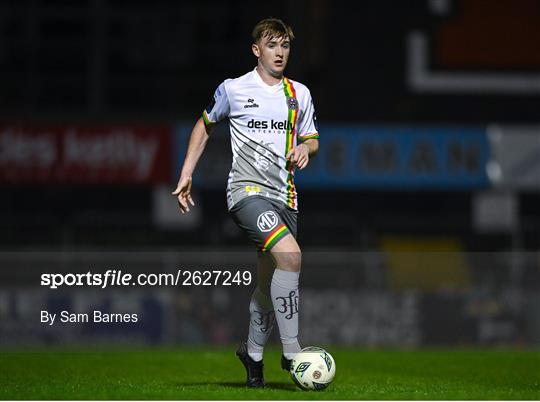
[[183, 194], [299, 156]]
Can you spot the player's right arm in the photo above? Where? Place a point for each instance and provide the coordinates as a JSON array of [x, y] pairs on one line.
[[197, 143], [216, 111]]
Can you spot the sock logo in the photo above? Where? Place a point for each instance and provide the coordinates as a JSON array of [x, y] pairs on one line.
[[289, 304], [267, 221], [264, 321]]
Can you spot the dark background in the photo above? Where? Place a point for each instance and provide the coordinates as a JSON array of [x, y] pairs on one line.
[[134, 61], [162, 60]]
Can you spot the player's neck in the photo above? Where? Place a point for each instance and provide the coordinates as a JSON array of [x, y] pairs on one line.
[[268, 78]]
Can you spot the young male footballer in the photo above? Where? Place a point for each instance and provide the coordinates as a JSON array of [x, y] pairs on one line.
[[273, 132]]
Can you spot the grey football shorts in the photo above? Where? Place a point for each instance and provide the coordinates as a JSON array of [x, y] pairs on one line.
[[266, 221]]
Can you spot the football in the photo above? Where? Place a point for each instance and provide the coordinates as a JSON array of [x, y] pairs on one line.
[[313, 368]]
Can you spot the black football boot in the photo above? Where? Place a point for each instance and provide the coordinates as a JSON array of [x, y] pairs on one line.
[[254, 370]]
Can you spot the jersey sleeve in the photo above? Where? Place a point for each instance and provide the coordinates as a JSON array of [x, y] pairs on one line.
[[218, 108], [307, 127]]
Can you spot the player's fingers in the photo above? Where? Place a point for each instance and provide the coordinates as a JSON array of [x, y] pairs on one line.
[[190, 200], [291, 152], [183, 204], [176, 192], [180, 202]]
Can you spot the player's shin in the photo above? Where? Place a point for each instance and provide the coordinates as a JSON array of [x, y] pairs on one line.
[[261, 323], [285, 297]]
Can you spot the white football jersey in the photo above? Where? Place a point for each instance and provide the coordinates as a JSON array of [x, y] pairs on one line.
[[266, 121]]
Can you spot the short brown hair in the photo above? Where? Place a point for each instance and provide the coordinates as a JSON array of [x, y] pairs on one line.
[[273, 28]]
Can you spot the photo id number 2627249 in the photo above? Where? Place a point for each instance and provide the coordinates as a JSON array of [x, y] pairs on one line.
[[213, 278]]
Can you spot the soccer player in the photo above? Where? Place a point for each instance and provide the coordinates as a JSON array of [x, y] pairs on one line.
[[273, 131]]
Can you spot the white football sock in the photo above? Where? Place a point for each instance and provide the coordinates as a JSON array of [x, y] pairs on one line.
[[285, 295], [261, 322]]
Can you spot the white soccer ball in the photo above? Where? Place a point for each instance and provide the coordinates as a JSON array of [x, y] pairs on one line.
[[313, 368]]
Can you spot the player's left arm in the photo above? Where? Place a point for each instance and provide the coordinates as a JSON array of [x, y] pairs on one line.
[[300, 154], [308, 143]]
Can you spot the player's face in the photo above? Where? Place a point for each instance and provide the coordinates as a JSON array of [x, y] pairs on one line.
[[273, 54]]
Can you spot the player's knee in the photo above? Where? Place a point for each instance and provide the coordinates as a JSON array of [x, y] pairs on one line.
[[295, 260], [289, 260]]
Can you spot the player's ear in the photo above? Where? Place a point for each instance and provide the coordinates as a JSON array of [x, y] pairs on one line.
[[255, 49]]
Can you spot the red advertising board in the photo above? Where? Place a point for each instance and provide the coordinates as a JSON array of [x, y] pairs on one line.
[[85, 153]]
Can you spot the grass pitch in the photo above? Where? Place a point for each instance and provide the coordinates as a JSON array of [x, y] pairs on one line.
[[212, 373]]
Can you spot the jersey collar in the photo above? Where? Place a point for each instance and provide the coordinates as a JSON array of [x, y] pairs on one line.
[[269, 88]]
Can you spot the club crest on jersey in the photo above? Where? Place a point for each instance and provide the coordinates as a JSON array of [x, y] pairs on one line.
[[292, 103]]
